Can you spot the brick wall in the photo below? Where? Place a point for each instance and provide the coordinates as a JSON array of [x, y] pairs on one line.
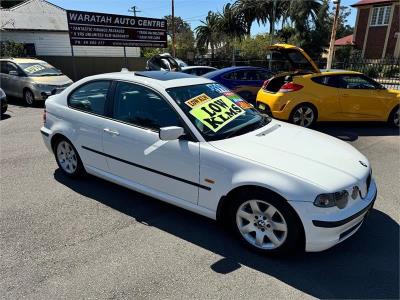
[[375, 42], [361, 27]]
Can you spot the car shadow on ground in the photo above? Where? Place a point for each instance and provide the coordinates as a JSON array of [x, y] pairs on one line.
[[366, 266], [20, 102], [350, 131]]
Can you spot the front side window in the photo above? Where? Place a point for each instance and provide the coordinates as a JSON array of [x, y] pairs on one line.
[[39, 68], [380, 15], [217, 112], [140, 106], [90, 97], [358, 82]]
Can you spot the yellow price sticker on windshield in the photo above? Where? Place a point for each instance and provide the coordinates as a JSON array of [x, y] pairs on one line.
[[34, 69], [197, 100], [217, 112]]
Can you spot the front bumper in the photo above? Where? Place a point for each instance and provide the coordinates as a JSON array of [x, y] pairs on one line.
[[323, 231], [44, 93]]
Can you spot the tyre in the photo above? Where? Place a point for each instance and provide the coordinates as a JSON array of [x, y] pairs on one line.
[[304, 115], [265, 223], [68, 159], [29, 98], [394, 117]]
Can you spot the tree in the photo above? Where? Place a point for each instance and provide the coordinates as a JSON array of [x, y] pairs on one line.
[[207, 33], [184, 36], [11, 49], [247, 10]]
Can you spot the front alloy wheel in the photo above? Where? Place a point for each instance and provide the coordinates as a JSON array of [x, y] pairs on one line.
[[29, 98], [265, 222], [261, 224], [303, 115]]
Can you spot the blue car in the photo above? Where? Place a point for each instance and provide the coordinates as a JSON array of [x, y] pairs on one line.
[[244, 81]]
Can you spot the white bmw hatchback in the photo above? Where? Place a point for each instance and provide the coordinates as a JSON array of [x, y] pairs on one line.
[[191, 142]]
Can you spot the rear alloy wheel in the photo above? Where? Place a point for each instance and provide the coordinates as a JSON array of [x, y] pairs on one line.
[[303, 115], [29, 98], [68, 159], [394, 118], [265, 224]]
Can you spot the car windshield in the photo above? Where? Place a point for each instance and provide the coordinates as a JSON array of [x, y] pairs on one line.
[[217, 112], [39, 69]]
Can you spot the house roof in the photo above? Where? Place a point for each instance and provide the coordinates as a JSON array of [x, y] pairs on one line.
[[347, 40], [34, 15], [371, 2]]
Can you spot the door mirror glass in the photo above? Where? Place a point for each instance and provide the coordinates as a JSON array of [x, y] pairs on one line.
[[13, 73], [171, 133]]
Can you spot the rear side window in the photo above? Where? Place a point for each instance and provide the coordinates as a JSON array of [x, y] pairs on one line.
[[140, 106], [90, 97], [332, 81]]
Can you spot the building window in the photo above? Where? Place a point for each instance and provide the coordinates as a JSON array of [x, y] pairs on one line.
[[380, 15]]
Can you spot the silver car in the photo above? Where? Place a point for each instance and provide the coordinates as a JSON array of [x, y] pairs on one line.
[[31, 79]]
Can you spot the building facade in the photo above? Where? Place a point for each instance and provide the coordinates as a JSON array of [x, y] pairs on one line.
[[377, 32], [43, 29]]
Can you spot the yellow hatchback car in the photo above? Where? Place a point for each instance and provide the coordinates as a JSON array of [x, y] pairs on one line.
[[304, 94]]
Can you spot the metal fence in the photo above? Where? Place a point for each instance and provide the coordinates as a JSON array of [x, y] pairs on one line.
[[384, 71]]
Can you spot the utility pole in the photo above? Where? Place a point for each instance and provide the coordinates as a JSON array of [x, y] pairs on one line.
[[333, 35], [173, 29], [134, 10]]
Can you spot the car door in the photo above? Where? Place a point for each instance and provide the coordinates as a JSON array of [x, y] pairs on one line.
[[135, 152], [248, 83], [14, 81], [357, 97], [4, 77], [86, 116]]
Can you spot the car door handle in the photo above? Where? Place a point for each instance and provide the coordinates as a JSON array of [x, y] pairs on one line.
[[112, 132], [345, 95]]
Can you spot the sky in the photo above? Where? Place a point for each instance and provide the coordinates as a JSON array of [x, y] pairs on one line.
[[192, 11]]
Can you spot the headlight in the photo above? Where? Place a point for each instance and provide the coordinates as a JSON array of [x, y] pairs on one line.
[[2, 94], [338, 199], [42, 86]]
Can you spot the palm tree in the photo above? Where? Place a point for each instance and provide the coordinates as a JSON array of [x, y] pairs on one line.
[[247, 10], [207, 33], [303, 12], [232, 26]]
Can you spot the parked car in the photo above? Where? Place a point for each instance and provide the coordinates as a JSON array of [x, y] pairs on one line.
[[245, 81], [304, 94], [162, 62], [3, 102], [191, 142], [31, 79], [198, 70]]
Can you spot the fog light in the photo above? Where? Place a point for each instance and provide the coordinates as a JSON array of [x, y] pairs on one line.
[[355, 192]]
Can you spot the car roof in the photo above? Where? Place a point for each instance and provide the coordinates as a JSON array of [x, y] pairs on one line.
[[162, 79], [337, 72], [230, 69], [198, 67], [23, 60]]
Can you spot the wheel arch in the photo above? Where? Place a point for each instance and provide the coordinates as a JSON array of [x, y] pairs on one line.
[[391, 111], [224, 203]]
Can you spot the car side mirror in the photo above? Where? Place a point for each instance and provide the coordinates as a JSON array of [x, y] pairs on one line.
[[170, 133], [13, 73]]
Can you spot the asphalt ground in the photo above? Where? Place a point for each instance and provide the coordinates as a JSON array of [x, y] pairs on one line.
[[90, 239]]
